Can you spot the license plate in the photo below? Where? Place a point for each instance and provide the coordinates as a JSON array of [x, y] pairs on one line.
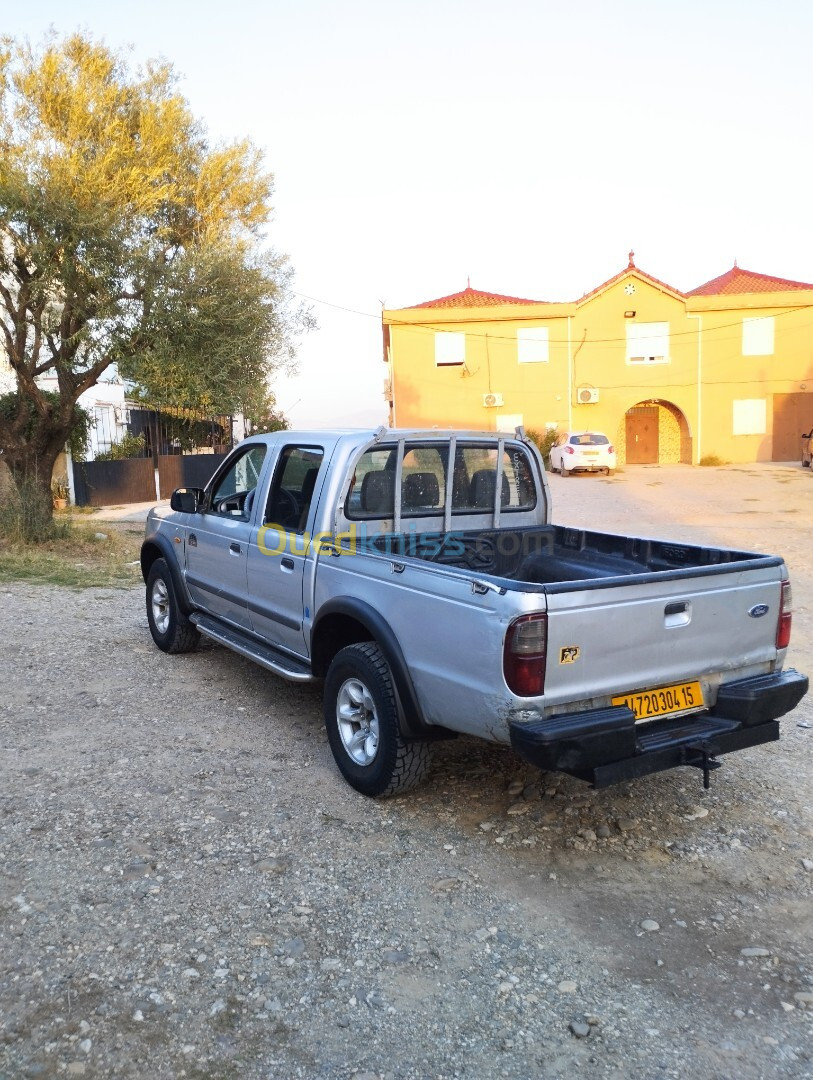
[[647, 704], [589, 453]]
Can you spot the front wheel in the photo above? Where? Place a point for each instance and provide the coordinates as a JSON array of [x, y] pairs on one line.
[[361, 718], [171, 631]]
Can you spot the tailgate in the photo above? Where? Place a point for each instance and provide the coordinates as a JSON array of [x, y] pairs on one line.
[[609, 641]]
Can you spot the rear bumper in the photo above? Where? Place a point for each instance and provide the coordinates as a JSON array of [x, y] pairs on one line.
[[605, 746]]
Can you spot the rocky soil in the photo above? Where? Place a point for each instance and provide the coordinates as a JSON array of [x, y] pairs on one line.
[[189, 889]]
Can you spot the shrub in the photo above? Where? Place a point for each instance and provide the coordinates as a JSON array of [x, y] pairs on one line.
[[712, 459], [545, 442], [130, 446], [26, 515]]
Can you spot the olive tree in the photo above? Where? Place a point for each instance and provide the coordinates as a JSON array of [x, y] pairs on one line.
[[127, 238]]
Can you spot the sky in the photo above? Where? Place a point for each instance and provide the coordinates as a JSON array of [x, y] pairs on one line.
[[526, 147]]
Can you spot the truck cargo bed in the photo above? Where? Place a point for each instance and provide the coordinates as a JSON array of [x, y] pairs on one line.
[[551, 554]]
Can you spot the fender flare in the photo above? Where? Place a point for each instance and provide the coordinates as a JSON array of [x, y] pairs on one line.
[[166, 552], [413, 725]]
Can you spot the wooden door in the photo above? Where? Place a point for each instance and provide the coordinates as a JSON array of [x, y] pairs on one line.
[[792, 414], [642, 435]]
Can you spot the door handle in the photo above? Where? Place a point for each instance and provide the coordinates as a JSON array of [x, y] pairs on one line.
[[287, 564], [234, 548]]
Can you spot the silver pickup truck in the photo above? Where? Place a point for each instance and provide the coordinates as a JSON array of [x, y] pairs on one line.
[[419, 575]]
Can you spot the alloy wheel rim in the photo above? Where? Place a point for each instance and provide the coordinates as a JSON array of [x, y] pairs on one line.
[[357, 720], [160, 606]]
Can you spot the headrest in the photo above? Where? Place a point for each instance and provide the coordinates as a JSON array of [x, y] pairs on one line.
[[482, 488], [378, 492], [421, 490]]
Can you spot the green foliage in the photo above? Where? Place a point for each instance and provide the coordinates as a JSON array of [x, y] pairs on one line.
[[128, 238], [11, 406], [268, 417], [26, 515], [130, 446], [545, 442], [712, 459], [59, 488]]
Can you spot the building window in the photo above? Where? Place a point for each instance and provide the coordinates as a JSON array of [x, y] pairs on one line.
[[648, 343], [757, 336], [750, 416], [450, 348], [532, 345]]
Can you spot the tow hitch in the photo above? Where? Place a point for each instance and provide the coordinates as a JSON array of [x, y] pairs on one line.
[[702, 755]]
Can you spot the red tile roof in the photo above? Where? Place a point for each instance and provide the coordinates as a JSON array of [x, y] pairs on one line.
[[737, 280], [474, 298], [632, 268]]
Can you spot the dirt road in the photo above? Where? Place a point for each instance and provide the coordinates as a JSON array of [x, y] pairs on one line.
[[189, 889]]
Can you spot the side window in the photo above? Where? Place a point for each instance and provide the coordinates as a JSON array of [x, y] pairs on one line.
[[233, 493], [291, 495]]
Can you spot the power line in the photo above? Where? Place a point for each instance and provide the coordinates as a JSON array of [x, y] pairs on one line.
[[435, 327]]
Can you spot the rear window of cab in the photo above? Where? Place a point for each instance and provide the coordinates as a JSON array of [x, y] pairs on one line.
[[425, 475]]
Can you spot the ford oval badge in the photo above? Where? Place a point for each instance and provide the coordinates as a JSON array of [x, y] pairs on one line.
[[758, 610]]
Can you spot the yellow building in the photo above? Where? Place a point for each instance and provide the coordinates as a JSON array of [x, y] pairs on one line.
[[725, 370]]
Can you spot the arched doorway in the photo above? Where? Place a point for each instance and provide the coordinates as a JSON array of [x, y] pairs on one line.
[[654, 432]]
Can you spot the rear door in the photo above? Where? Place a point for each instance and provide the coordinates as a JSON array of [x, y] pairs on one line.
[[280, 546]]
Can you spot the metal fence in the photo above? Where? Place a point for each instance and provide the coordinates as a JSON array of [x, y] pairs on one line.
[[181, 448], [108, 483], [180, 431]]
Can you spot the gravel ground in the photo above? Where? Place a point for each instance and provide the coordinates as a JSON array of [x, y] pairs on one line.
[[189, 889]]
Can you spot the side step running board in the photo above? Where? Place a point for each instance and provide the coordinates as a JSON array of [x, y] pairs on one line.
[[265, 655]]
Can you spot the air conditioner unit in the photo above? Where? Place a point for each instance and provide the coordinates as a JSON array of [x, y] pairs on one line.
[[490, 401], [588, 395]]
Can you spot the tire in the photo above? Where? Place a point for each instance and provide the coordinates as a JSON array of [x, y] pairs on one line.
[[171, 631], [611, 472], [361, 718], [565, 472]]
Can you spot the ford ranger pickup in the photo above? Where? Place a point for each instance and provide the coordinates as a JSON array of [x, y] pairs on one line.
[[418, 574]]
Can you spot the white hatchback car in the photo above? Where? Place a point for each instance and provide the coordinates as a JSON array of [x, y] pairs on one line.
[[586, 451]]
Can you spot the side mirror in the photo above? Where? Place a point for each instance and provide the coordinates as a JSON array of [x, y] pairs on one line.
[[186, 500]]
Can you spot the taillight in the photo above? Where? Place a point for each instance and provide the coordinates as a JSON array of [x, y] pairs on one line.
[[785, 617], [526, 644], [610, 449], [569, 450]]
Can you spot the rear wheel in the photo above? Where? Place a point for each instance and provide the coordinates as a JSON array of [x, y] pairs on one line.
[[171, 631], [361, 718]]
